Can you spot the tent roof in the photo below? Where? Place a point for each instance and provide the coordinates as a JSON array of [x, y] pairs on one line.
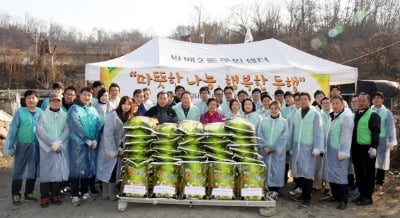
[[158, 52]]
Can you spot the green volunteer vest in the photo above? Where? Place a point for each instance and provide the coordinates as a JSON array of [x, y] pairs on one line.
[[272, 130], [193, 113], [27, 123], [363, 131], [254, 118], [335, 132], [304, 128]]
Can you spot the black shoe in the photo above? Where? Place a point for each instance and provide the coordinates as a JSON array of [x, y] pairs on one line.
[[93, 191], [342, 205], [364, 202], [357, 199], [30, 197], [305, 204]]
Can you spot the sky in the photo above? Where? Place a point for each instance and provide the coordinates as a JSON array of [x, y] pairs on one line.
[[155, 17]]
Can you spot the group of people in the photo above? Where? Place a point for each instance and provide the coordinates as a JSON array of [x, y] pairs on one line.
[[71, 142]]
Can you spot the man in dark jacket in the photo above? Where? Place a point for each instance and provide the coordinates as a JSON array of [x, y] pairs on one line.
[[367, 125], [138, 95], [162, 111]]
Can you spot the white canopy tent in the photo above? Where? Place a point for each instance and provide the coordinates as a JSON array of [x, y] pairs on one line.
[[267, 57]]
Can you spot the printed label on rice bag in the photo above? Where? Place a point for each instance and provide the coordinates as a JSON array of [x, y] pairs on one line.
[[251, 192], [222, 192], [135, 189], [164, 189], [194, 190]]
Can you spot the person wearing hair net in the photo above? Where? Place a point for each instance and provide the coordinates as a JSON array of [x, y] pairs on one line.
[[307, 141], [337, 155], [53, 134]]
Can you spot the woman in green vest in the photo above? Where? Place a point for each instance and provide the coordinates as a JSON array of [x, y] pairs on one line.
[[186, 110], [249, 112], [274, 133], [22, 143]]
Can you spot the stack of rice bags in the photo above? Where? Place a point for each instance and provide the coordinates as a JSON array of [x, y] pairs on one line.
[[221, 167], [137, 156], [193, 165], [166, 165], [250, 182]]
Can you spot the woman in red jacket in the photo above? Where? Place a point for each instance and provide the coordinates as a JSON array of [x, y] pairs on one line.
[[212, 115]]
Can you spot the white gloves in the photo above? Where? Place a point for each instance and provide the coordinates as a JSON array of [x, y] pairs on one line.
[[120, 151], [341, 157], [56, 146], [372, 152], [94, 144], [91, 144], [267, 150], [316, 152]]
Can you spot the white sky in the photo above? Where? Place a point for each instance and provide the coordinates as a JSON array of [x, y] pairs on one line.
[[156, 17]]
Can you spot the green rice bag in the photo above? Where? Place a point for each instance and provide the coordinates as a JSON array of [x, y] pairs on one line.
[[243, 139], [167, 131], [245, 147], [165, 179], [220, 153], [137, 131], [164, 158], [135, 178], [137, 154], [190, 127], [222, 180], [240, 126], [142, 121], [166, 152], [247, 159], [194, 179], [251, 181], [192, 151], [192, 158], [215, 129], [246, 153], [139, 139], [167, 144], [211, 157], [137, 145]]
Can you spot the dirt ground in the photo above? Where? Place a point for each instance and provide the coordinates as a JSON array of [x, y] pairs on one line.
[[386, 204]]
